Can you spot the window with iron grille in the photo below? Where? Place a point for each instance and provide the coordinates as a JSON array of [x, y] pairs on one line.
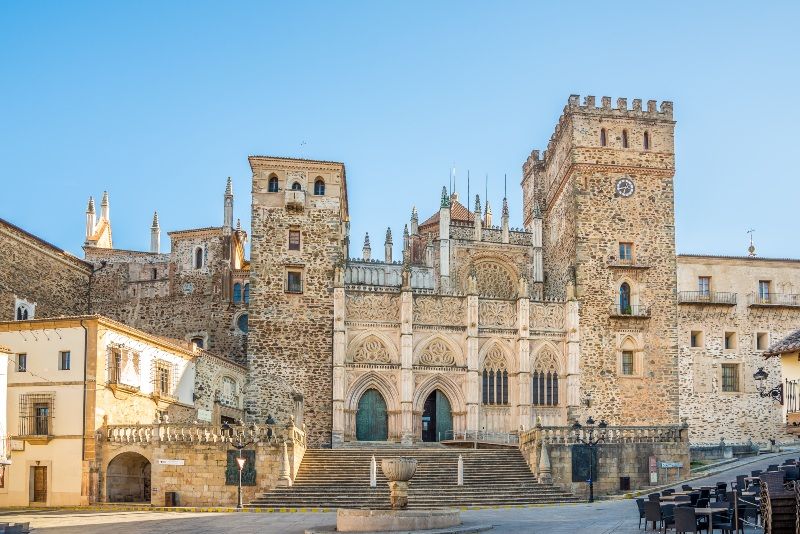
[[163, 378], [627, 362], [36, 414], [294, 239], [123, 367], [730, 377]]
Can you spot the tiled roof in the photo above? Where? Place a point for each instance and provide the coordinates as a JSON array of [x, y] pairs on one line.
[[723, 257], [259, 156], [790, 343], [457, 213]]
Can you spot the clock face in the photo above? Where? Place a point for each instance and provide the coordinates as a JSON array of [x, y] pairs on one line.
[[625, 187]]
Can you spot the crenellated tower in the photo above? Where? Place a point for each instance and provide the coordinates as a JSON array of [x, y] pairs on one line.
[[603, 195]]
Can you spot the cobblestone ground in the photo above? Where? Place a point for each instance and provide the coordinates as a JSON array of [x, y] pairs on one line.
[[617, 516]]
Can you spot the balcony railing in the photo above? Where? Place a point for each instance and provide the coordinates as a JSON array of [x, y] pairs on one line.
[[775, 299], [707, 297], [630, 311], [35, 425]]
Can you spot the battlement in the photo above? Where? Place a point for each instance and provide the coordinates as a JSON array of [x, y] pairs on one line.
[[605, 110]]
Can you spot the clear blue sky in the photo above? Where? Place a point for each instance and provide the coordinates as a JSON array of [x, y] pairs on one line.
[[159, 102]]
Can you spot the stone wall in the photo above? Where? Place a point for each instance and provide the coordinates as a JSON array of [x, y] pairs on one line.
[[202, 452], [290, 345], [39, 273], [626, 452]]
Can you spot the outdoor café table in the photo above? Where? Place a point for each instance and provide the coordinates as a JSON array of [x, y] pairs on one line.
[[709, 512]]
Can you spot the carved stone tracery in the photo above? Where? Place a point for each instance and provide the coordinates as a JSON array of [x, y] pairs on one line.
[[373, 307], [494, 280], [372, 350], [437, 354], [449, 311], [496, 313], [547, 316]]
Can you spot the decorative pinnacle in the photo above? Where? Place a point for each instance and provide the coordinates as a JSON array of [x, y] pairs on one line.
[[229, 187], [238, 225], [505, 207], [445, 198], [751, 250], [405, 230], [366, 240], [488, 207], [414, 213], [104, 202], [388, 236], [90, 207], [477, 203], [155, 220]]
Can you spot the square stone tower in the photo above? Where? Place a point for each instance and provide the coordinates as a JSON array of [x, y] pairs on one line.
[[299, 227], [605, 190]]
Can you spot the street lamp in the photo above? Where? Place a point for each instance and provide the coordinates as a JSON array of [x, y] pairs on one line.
[[592, 443], [238, 441], [775, 393]]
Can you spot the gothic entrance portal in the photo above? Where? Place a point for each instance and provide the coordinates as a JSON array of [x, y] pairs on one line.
[[437, 418], [372, 418]]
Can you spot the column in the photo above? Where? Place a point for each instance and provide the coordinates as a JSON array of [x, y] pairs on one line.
[[573, 353], [473, 376], [339, 350], [406, 361], [523, 400]]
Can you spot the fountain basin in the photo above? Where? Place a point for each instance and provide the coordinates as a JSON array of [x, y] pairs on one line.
[[399, 469], [363, 520]]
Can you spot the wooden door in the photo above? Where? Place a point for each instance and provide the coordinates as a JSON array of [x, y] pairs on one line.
[[444, 417], [40, 484], [372, 419]]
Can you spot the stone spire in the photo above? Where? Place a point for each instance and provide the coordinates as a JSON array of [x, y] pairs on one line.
[[487, 215], [366, 251], [104, 210], [504, 220], [406, 241], [90, 218], [155, 235], [414, 221], [228, 217], [387, 246], [478, 232], [445, 198], [238, 225]]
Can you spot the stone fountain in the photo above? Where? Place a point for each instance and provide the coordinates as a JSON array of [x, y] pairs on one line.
[[398, 473]]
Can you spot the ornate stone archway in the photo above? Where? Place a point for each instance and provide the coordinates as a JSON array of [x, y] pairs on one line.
[[384, 385], [455, 397]]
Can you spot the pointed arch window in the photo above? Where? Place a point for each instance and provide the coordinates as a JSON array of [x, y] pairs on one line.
[[273, 184], [624, 138], [544, 381], [602, 137], [22, 313], [247, 293], [625, 299], [237, 292], [296, 186], [198, 258], [495, 378], [628, 361], [319, 187], [646, 140]]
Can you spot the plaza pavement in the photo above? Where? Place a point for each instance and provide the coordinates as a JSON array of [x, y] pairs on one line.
[[610, 516]]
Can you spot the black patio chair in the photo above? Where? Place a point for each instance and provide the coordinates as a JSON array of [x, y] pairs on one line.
[[682, 500], [652, 512], [702, 502], [654, 497], [705, 494], [756, 472], [668, 516], [740, 483], [772, 467], [667, 492], [640, 506], [686, 487], [694, 496], [686, 520]]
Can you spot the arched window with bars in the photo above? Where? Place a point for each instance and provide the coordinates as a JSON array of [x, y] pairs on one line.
[[495, 378], [545, 380]]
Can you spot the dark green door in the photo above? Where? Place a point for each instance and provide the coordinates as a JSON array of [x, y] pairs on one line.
[[372, 421], [437, 419]]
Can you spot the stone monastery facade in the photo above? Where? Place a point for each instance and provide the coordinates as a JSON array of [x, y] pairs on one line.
[[585, 310]]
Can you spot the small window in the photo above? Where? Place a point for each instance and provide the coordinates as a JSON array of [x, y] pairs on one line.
[[762, 340], [198, 342], [625, 299], [627, 362], [696, 339], [730, 340], [602, 137], [294, 239], [154, 273], [22, 363], [704, 285], [296, 186], [241, 323], [162, 381], [646, 140], [237, 292], [319, 187], [273, 184], [22, 313], [247, 293], [63, 360], [115, 367], [198, 258], [764, 291], [624, 138], [626, 252], [294, 282], [730, 377]]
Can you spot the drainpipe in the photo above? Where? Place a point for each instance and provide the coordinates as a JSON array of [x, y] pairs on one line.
[[83, 412]]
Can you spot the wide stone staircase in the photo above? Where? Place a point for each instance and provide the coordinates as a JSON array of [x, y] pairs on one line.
[[334, 478]]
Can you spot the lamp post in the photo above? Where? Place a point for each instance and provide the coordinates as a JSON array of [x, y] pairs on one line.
[[592, 443], [775, 393], [238, 442]]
